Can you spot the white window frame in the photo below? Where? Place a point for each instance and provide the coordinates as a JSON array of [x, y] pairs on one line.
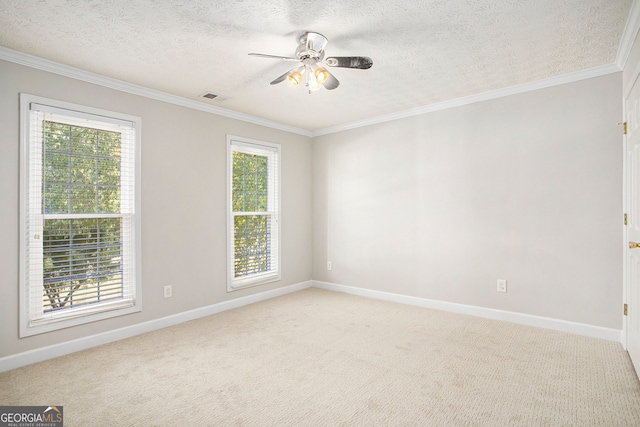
[[272, 151], [34, 320]]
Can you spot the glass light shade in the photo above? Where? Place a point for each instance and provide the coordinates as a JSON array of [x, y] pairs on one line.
[[321, 75], [313, 85], [295, 77]]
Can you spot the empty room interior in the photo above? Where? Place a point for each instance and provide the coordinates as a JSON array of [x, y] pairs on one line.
[[320, 213]]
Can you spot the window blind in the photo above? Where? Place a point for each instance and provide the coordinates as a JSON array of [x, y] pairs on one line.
[[79, 228], [254, 205]]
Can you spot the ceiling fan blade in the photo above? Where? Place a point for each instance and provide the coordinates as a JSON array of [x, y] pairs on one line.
[[359, 62], [331, 82], [282, 77], [284, 58]]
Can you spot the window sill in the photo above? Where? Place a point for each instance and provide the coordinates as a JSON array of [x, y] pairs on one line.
[[252, 280], [79, 317]]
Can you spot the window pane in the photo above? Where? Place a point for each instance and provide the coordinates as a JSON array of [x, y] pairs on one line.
[[82, 262], [82, 169], [252, 235], [56, 198], [109, 144], [83, 140], [109, 171], [250, 178], [56, 137], [56, 167], [108, 199], [83, 199]]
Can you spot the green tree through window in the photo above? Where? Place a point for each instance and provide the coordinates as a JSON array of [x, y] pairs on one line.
[[252, 228], [81, 256]]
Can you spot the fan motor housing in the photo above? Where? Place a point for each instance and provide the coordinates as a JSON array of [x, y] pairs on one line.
[[311, 46]]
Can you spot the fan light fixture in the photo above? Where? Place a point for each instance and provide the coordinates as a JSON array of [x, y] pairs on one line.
[[310, 52]]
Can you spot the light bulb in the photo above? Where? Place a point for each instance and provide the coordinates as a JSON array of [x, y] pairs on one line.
[[321, 75], [295, 77], [313, 85]]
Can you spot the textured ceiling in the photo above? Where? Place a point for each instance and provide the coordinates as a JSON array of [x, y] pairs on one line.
[[423, 51]]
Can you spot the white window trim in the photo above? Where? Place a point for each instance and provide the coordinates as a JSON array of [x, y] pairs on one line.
[[257, 147], [80, 315]]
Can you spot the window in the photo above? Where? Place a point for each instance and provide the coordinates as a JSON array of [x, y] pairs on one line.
[[253, 209], [79, 215]]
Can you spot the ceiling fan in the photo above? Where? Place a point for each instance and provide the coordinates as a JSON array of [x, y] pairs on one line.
[[310, 52]]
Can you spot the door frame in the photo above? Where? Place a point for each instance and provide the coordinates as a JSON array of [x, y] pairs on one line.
[[625, 203], [625, 230]]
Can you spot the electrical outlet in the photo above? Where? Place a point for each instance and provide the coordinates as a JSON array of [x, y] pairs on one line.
[[168, 291], [502, 285], [328, 265]]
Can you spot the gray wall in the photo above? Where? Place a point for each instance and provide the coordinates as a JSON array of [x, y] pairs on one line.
[[183, 202], [526, 188]]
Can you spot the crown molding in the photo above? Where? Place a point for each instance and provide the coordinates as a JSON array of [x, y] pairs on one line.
[[499, 93], [97, 79], [94, 78], [629, 34]]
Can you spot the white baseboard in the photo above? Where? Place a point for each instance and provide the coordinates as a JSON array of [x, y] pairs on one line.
[[489, 313], [40, 354]]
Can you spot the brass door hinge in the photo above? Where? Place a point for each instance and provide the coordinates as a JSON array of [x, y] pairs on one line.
[[626, 219], [626, 128], [626, 310]]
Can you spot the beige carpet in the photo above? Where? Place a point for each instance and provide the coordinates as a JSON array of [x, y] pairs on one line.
[[320, 358]]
